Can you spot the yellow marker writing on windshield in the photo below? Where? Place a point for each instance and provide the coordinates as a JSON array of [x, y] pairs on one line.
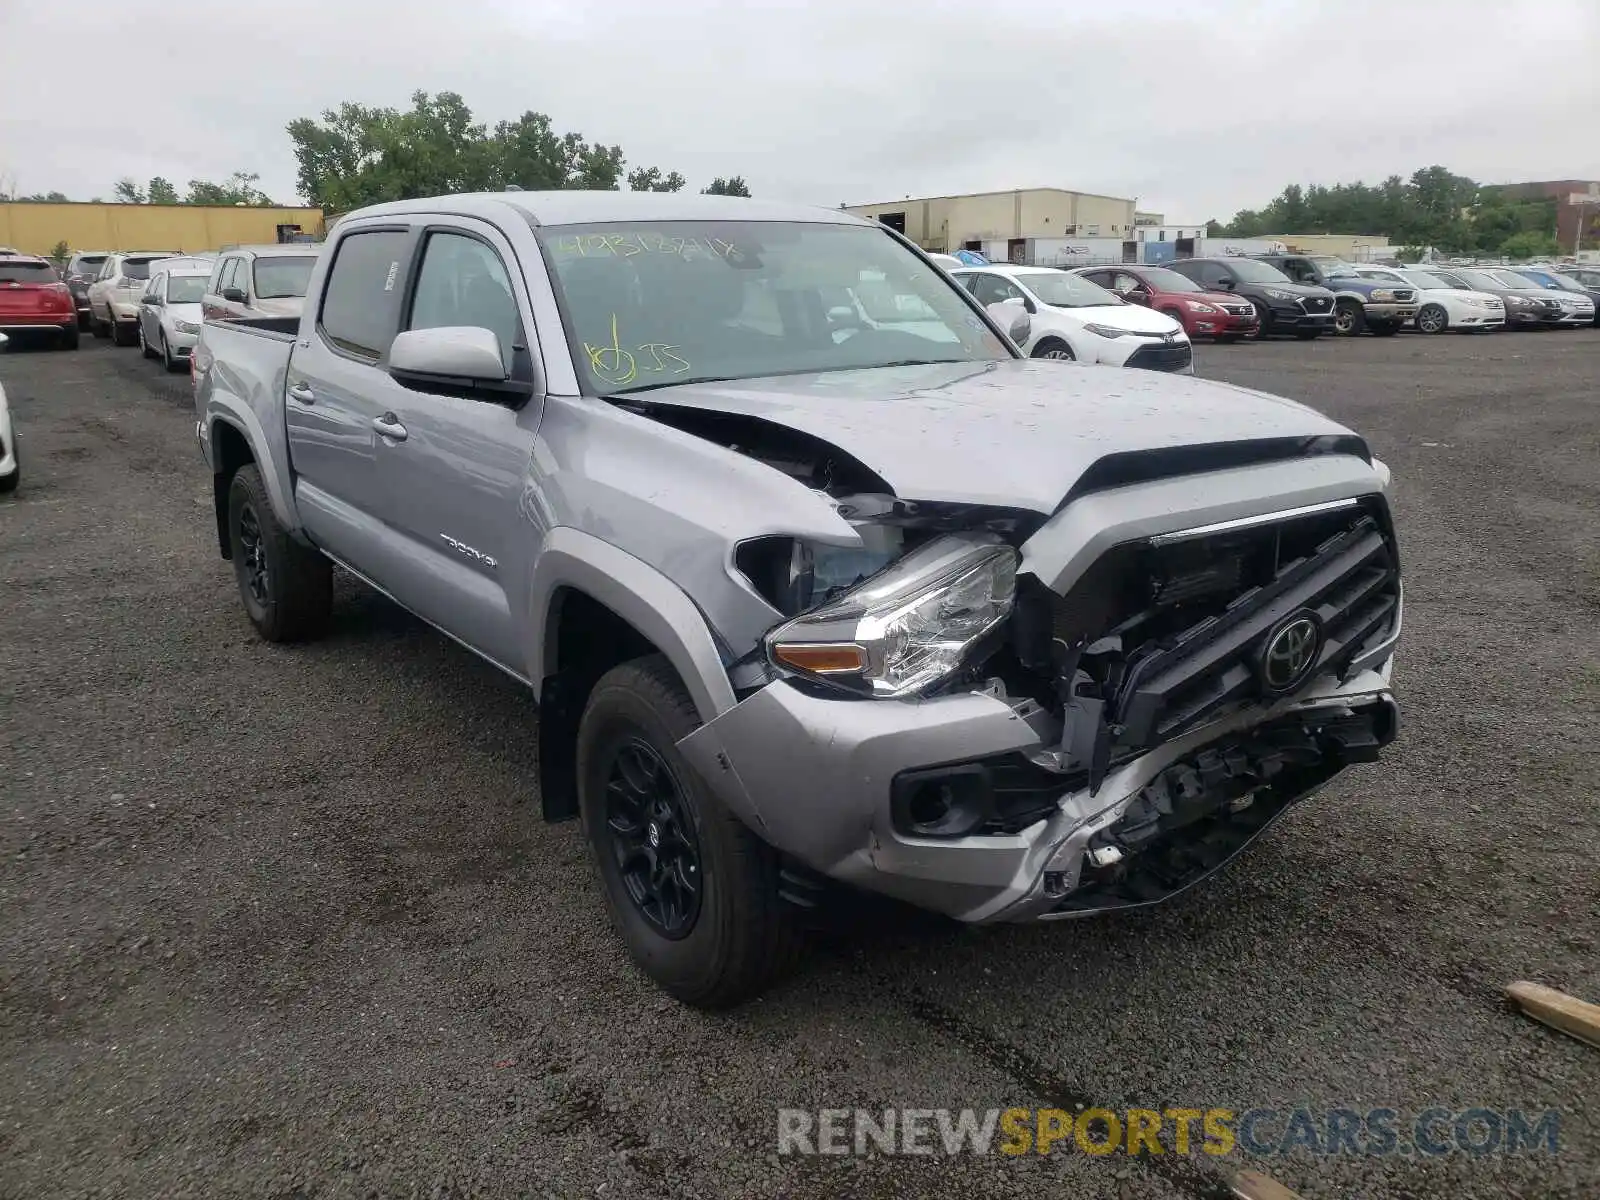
[[612, 363]]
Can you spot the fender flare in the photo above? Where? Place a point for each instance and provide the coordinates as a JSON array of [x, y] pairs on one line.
[[1359, 297], [274, 475], [639, 594]]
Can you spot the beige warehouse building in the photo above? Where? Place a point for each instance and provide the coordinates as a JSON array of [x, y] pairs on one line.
[[952, 222]]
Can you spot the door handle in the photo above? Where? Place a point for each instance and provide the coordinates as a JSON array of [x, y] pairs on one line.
[[388, 426], [301, 393]]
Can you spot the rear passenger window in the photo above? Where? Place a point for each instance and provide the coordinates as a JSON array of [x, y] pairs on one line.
[[463, 282], [361, 303]]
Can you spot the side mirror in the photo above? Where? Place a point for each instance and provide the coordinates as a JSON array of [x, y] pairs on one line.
[[1010, 316], [154, 301], [1136, 296], [459, 355], [233, 295], [844, 316], [1226, 283]]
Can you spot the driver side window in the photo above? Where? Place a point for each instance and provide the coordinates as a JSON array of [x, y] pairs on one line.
[[463, 282]]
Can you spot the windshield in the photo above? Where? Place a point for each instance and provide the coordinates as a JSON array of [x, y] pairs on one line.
[[1164, 279], [282, 278], [1425, 281], [89, 265], [1335, 267], [650, 304], [1060, 290], [1248, 270], [1483, 281], [1511, 279], [1565, 282], [1379, 275], [27, 272], [186, 289]]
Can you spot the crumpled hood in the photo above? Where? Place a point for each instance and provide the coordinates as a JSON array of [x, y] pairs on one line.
[[1017, 434]]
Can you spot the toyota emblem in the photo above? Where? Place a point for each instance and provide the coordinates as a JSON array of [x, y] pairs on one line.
[[1290, 652]]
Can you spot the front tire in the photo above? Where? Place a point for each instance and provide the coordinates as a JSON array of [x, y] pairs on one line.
[[1348, 318], [167, 361], [287, 588], [144, 344], [1384, 328], [690, 890], [1055, 349], [1263, 321], [1433, 319]]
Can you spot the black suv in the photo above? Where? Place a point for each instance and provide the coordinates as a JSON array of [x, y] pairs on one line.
[[1282, 305], [1359, 303]]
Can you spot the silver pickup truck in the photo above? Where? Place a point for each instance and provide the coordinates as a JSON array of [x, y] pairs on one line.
[[811, 592]]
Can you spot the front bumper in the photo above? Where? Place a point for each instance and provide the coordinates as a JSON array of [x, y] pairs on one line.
[[814, 775], [1221, 324], [1385, 313], [1292, 316]]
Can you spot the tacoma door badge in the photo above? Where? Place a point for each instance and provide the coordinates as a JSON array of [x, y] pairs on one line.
[[466, 551]]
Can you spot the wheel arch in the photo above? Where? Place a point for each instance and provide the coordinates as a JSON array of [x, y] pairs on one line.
[[592, 607]]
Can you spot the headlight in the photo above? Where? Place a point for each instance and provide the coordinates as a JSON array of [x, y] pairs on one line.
[[186, 327], [907, 627], [1106, 331], [1198, 306], [1474, 302], [1277, 295], [1520, 301], [1381, 294]]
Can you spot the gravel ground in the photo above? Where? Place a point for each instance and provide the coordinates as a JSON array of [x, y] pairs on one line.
[[285, 922]]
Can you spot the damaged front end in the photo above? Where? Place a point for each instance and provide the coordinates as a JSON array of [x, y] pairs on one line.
[[1008, 715]]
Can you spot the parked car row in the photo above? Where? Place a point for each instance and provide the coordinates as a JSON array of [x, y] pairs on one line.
[[154, 299]]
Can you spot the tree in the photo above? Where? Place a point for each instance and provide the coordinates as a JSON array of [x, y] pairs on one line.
[[61, 251], [650, 179], [238, 188], [1214, 228], [45, 198], [127, 192], [355, 155], [162, 192], [1530, 245], [726, 187]]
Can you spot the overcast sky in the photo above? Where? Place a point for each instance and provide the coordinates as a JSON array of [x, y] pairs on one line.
[[1195, 108]]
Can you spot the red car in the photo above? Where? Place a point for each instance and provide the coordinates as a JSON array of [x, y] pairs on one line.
[[1201, 313], [34, 300]]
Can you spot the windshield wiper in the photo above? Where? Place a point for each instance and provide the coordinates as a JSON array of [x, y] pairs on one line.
[[666, 383]]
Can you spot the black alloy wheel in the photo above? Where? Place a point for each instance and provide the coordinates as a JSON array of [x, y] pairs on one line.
[[253, 564], [652, 839]]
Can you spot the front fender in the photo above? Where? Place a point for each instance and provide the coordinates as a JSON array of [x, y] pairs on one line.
[[641, 596]]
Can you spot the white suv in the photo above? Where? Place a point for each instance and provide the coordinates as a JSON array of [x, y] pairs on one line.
[[116, 291]]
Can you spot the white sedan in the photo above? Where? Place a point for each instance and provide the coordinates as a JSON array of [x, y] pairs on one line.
[[10, 472], [169, 314], [1441, 306], [1073, 319]]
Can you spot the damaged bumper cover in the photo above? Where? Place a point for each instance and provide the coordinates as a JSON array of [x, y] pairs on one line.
[[816, 776]]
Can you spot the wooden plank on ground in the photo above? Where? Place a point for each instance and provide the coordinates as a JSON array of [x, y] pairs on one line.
[[1252, 1185], [1571, 1016]]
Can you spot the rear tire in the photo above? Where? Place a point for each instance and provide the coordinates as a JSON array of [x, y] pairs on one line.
[[96, 326], [652, 822], [1054, 348], [1384, 329], [287, 588]]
